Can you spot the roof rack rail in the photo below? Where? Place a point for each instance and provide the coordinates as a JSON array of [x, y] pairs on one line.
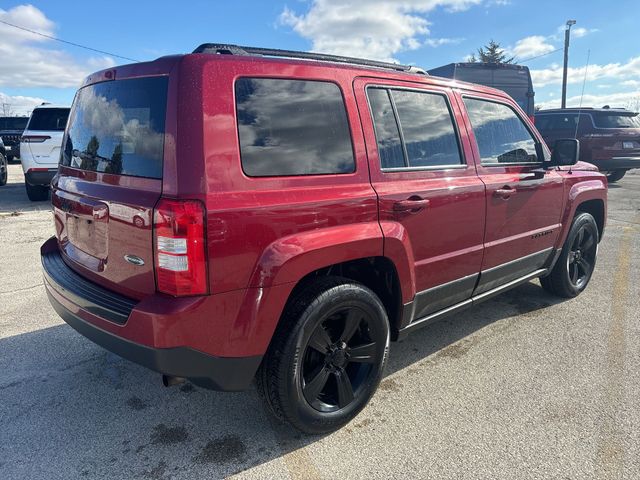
[[227, 49]]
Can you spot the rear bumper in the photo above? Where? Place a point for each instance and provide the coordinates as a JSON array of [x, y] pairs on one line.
[[82, 306], [617, 163], [40, 176]]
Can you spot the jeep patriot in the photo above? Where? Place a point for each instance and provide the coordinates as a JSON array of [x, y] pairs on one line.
[[243, 213]]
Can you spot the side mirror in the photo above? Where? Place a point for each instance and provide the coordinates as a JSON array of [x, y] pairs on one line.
[[565, 152]]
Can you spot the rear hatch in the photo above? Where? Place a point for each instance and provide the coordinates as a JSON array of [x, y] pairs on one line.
[[616, 134], [43, 135], [109, 181]]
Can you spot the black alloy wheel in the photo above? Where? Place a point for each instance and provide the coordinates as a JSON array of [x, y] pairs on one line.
[[582, 257], [339, 359], [576, 263], [327, 356]]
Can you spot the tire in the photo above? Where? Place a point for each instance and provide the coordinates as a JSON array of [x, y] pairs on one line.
[[4, 172], [37, 193], [616, 175], [327, 356], [573, 269]]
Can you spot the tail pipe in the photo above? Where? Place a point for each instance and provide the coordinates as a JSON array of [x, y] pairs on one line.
[[170, 381]]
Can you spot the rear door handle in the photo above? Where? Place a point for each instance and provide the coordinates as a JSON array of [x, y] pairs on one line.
[[504, 192], [412, 205]]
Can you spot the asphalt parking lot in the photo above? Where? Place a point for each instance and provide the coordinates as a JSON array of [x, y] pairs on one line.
[[523, 386]]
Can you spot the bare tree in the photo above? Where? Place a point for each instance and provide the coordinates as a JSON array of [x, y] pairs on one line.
[[7, 110], [633, 104]]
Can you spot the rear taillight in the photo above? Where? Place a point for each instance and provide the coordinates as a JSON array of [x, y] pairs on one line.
[[34, 138], [179, 243]]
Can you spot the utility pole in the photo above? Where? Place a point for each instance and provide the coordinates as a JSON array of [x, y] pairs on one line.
[[567, 31]]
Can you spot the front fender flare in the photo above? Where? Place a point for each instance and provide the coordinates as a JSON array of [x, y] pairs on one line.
[[595, 189]]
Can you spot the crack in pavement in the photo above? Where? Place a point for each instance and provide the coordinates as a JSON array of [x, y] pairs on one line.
[[22, 289]]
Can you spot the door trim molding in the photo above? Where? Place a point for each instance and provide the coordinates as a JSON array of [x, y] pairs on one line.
[[434, 317], [506, 272]]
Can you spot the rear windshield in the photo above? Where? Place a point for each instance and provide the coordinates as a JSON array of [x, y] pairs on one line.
[[18, 123], [616, 120], [118, 127], [49, 119]]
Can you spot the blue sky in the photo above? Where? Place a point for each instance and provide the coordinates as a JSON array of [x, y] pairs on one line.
[[428, 33]]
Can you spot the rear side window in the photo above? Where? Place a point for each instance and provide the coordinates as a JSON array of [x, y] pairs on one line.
[[118, 127], [387, 133], [615, 120], [427, 136], [48, 119], [557, 121], [501, 135], [292, 127]]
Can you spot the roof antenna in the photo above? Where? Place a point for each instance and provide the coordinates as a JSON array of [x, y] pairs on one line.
[[584, 82]]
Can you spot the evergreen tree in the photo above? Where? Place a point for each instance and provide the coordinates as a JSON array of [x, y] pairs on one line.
[[491, 53]]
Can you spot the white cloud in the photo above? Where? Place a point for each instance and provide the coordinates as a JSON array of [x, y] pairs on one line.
[[437, 42], [531, 46], [18, 104], [376, 29], [619, 71], [582, 32], [631, 83], [627, 100], [28, 60], [576, 32]]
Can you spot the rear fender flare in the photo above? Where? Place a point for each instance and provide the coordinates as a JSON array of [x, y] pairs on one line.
[[398, 249], [290, 258]]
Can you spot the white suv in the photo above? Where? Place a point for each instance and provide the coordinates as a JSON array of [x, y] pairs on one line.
[[40, 148]]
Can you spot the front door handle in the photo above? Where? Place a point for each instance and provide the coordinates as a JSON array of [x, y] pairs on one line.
[[504, 192], [412, 205]]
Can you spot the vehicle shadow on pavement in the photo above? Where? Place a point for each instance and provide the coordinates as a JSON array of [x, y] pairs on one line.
[[70, 409], [449, 338]]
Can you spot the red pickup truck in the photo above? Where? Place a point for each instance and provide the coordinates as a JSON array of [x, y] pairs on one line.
[[243, 213]]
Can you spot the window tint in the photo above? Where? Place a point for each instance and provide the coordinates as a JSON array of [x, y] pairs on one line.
[[13, 123], [118, 127], [292, 127], [427, 129], [501, 135], [557, 121], [48, 119], [387, 134], [616, 120]]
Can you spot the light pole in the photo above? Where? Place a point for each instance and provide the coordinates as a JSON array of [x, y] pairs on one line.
[[566, 62]]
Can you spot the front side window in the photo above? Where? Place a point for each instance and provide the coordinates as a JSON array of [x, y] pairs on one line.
[[500, 134], [427, 128], [292, 127], [428, 136]]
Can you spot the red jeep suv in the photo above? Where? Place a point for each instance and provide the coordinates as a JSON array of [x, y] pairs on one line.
[[609, 137], [243, 213]]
